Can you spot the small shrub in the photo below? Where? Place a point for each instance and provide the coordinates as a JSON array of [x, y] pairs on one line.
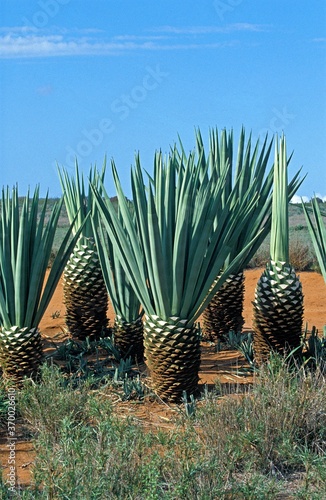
[[301, 257], [243, 342], [260, 258]]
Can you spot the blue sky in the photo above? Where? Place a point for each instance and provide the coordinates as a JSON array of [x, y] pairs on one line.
[[89, 78]]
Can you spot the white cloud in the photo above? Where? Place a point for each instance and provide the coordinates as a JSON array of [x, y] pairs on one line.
[[45, 90], [26, 42], [318, 195], [298, 199], [17, 29], [141, 37], [56, 46], [319, 40], [13, 45], [206, 30], [306, 199]]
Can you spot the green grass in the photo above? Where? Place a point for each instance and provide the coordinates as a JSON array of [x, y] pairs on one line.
[[267, 442]]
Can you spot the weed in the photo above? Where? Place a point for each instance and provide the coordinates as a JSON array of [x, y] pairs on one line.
[[314, 349], [243, 342], [189, 404], [133, 388], [269, 442], [301, 255]]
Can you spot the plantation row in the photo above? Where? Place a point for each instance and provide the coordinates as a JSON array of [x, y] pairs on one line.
[[176, 252]]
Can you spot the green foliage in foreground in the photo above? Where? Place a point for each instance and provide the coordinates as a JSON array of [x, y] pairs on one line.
[[261, 444]]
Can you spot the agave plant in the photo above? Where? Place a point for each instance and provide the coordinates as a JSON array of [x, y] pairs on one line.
[[317, 230], [85, 294], [278, 304], [225, 311], [26, 241], [171, 256], [128, 324]]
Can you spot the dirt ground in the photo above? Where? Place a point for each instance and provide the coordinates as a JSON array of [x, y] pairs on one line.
[[313, 285], [222, 366]]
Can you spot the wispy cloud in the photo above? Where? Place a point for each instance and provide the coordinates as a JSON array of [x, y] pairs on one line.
[[13, 45], [17, 29], [206, 30], [319, 40], [141, 37], [45, 90], [298, 199], [27, 42], [55, 30]]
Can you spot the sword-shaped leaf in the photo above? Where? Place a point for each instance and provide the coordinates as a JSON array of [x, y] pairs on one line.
[[317, 229]]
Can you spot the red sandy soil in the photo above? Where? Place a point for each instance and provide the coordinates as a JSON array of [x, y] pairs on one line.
[[221, 366], [313, 285]]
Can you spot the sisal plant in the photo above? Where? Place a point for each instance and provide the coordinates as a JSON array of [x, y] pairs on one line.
[[247, 173], [27, 231], [172, 243], [128, 324], [85, 294], [317, 230], [278, 304]]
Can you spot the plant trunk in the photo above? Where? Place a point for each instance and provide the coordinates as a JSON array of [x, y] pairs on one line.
[[85, 294], [225, 311], [278, 312], [172, 352], [129, 338], [21, 352]]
